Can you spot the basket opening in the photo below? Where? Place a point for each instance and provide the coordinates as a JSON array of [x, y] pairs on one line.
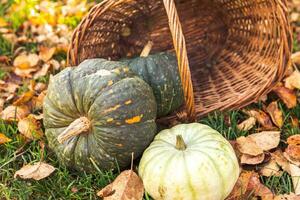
[[233, 45]]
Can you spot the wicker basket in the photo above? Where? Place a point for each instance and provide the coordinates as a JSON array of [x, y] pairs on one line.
[[230, 52]]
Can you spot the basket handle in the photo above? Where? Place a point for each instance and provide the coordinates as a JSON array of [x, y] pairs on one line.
[[183, 62]]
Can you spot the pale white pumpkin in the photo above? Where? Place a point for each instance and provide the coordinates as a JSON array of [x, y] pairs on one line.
[[189, 161]]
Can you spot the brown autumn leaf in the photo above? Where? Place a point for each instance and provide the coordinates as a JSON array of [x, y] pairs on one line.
[[247, 124], [288, 96], [290, 196], [252, 160], [36, 171], [295, 173], [25, 61], [249, 185], [266, 140], [2, 101], [43, 71], [296, 57], [39, 87], [46, 53], [30, 128], [261, 117], [281, 160], [292, 154], [4, 59], [37, 102], [241, 186], [55, 64], [271, 168], [12, 113], [26, 73], [24, 98], [295, 122], [293, 81], [258, 188], [294, 140], [248, 146], [4, 139], [127, 186], [275, 113]]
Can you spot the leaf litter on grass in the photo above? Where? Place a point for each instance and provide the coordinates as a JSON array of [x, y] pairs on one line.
[[36, 41]]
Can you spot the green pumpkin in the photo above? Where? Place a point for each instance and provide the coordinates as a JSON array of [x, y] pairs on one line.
[[98, 114], [160, 71], [189, 162]]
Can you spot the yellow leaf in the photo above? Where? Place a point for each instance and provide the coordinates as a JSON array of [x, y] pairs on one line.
[[4, 139], [30, 128], [293, 81], [288, 96], [12, 113], [3, 22], [275, 113], [46, 53], [25, 97]]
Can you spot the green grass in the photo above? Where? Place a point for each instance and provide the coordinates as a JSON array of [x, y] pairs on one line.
[[279, 185], [6, 49], [57, 186], [3, 74]]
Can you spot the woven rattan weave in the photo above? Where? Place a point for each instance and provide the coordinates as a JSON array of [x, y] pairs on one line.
[[230, 52]]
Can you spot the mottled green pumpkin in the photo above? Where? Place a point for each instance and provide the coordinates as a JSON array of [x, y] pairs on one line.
[[117, 108], [160, 71]]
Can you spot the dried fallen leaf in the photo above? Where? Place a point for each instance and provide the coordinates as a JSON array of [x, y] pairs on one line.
[[293, 151], [3, 22], [43, 71], [287, 96], [247, 124], [24, 61], [275, 113], [291, 196], [270, 169], [2, 101], [262, 118], [241, 186], [4, 139], [12, 113], [127, 186], [266, 140], [296, 57], [36, 171], [46, 53], [294, 140], [37, 102], [295, 122], [258, 188], [26, 73], [248, 146], [295, 173], [252, 160], [30, 128], [248, 185], [4, 59], [281, 160], [293, 81], [24, 98], [39, 87]]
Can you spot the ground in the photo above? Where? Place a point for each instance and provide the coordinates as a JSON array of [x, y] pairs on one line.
[[17, 19]]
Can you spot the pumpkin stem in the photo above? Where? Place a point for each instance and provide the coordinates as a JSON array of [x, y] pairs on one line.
[[180, 145], [147, 49], [78, 126]]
